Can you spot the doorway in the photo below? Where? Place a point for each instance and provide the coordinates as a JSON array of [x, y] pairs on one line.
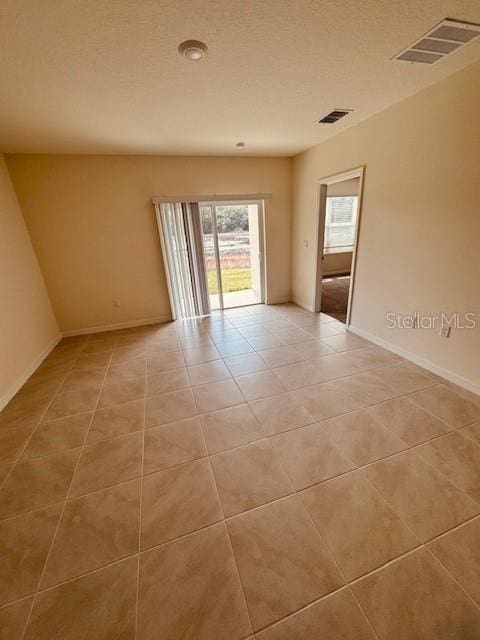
[[213, 253], [339, 206], [233, 249]]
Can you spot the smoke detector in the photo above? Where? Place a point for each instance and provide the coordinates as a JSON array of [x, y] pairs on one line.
[[441, 41], [193, 50], [334, 116]]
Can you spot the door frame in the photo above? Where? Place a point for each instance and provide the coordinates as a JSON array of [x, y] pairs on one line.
[[323, 183], [261, 236]]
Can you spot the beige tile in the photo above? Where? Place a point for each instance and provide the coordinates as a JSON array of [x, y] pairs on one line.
[[298, 375], [58, 435], [280, 356], [447, 405], [195, 341], [425, 500], [173, 444], [13, 619], [120, 392], [120, 371], [344, 342], [166, 381], [309, 456], [405, 377], [230, 428], [459, 553], [107, 463], [207, 353], [336, 617], [260, 385], [164, 361], [408, 421], [208, 372], [365, 388], [415, 598], [217, 395], [313, 349], [21, 413], [283, 563], [169, 407], [326, 400], [38, 483], [360, 529], [473, 432], [281, 413], [98, 606], [118, 420], [362, 438], [128, 352], [371, 357], [293, 335], [234, 348], [335, 366], [248, 477], [178, 501], [72, 402], [12, 442], [84, 380], [266, 341], [244, 364], [92, 360], [94, 531], [24, 544], [458, 458], [173, 606]]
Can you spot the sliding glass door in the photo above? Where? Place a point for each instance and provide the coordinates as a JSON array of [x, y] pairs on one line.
[[233, 247]]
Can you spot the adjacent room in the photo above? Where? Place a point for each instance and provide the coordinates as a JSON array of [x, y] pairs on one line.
[[239, 307]]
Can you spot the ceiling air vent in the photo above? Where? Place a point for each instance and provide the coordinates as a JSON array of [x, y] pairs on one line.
[[334, 116], [439, 42]]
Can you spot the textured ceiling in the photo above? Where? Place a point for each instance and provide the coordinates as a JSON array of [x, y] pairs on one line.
[[104, 76]]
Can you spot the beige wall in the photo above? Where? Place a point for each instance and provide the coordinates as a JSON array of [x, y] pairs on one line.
[[420, 225], [27, 324], [93, 226]]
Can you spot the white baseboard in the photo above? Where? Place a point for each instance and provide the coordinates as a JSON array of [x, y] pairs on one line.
[[302, 304], [118, 325], [18, 384], [420, 360], [278, 300]]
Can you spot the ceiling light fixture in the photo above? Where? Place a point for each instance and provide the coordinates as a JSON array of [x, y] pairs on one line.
[[241, 145], [193, 50]]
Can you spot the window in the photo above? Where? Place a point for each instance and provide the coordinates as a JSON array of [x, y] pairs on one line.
[[340, 221]]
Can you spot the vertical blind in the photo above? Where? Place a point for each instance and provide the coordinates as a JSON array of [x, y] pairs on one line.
[[182, 247]]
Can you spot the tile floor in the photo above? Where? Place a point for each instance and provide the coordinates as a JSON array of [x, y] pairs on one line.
[[260, 473]]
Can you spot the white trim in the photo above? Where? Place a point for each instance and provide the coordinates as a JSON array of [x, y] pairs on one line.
[[119, 325], [420, 360], [278, 300], [18, 384], [357, 172], [303, 305], [216, 197]]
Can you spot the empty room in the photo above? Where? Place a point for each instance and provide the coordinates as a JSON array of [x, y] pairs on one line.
[[239, 320]]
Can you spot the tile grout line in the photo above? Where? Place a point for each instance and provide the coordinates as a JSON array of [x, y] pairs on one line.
[[37, 424], [47, 558], [137, 600], [237, 571], [330, 553]]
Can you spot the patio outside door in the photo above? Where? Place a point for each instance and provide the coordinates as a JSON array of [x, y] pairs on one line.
[[233, 250]]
